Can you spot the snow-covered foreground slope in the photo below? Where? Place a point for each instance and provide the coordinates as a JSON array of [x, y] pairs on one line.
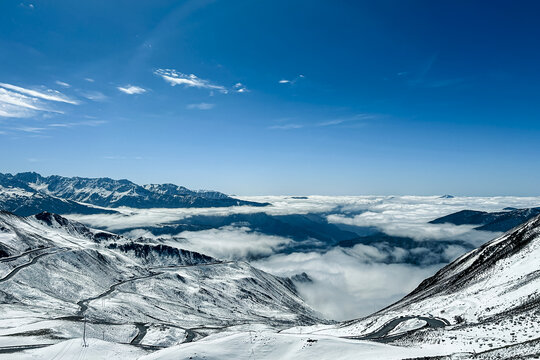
[[259, 343], [59, 278], [268, 345]]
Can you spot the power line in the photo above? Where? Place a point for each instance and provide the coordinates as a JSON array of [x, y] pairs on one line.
[[84, 333]]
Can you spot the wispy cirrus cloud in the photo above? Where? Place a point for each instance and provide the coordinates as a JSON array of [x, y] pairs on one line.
[[30, 129], [131, 89], [48, 94], [201, 106], [421, 78], [94, 95], [293, 81], [350, 120], [61, 83], [80, 123], [176, 78], [123, 157], [19, 102], [42, 129], [17, 105], [291, 126]]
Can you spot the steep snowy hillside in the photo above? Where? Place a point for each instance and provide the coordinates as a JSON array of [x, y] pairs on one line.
[[488, 298], [58, 277], [107, 192]]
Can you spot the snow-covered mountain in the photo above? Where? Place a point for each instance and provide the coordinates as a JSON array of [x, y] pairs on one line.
[[56, 273], [25, 192]]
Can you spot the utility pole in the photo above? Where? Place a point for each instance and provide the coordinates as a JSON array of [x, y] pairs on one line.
[[84, 333]]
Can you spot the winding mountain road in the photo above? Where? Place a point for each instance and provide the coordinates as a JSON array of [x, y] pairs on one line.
[[6, 259], [33, 261], [194, 265], [142, 328], [142, 333], [381, 335], [83, 304]]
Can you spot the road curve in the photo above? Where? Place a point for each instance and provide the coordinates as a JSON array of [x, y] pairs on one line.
[[381, 334], [142, 328], [20, 267], [83, 304], [6, 259]]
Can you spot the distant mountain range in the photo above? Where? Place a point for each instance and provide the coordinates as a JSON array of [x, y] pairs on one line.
[[490, 221], [29, 193]]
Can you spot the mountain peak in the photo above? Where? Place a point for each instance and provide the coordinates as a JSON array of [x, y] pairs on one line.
[[50, 218]]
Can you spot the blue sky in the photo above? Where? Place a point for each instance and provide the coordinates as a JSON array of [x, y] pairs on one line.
[[275, 97]]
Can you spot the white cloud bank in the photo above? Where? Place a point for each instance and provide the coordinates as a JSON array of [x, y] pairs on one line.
[[229, 242], [348, 283], [397, 215]]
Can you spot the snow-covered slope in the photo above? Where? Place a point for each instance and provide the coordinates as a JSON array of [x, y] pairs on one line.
[[54, 273], [488, 298], [105, 192], [500, 276]]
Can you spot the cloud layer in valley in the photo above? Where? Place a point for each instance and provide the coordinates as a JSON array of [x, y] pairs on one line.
[[346, 282], [395, 215], [227, 242]]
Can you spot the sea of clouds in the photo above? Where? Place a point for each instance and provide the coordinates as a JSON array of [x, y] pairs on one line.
[[346, 282]]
